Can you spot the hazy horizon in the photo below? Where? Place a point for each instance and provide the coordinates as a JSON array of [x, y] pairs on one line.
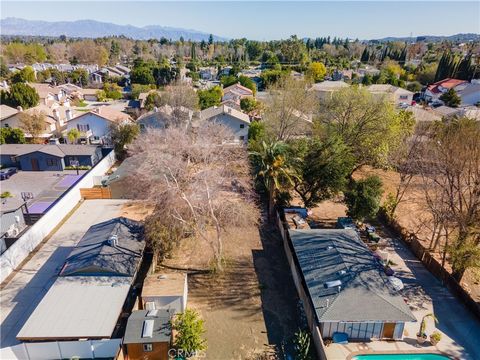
[[268, 20]]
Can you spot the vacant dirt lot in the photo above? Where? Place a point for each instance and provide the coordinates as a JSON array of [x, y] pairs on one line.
[[252, 306]]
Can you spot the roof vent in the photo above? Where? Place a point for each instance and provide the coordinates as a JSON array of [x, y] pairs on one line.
[[342, 272], [333, 283], [329, 247], [113, 240], [147, 331], [152, 312]]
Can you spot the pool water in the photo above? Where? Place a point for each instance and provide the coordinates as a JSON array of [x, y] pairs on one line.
[[401, 357]]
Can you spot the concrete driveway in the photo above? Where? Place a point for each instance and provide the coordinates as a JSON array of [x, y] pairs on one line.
[[21, 295]]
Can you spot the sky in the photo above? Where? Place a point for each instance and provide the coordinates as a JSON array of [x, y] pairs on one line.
[[268, 20]]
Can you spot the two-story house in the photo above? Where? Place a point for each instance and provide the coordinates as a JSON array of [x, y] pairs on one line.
[[237, 121], [396, 95]]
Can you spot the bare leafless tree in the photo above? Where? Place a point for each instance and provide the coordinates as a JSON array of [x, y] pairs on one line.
[[289, 109], [33, 123], [450, 170], [201, 185]]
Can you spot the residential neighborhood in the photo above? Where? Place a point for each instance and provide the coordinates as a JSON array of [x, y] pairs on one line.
[[241, 194]]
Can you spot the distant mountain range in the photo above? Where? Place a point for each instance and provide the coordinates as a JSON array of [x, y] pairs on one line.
[[435, 38], [94, 29]]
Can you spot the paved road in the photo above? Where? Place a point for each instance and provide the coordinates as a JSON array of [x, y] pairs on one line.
[[27, 288]]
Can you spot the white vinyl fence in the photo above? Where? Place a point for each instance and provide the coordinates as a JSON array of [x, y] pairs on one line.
[[15, 254], [89, 349]]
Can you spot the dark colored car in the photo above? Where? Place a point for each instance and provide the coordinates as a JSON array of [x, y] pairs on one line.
[[7, 172]]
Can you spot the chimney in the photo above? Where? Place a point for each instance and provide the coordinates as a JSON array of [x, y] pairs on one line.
[[56, 114], [19, 108], [113, 240], [68, 114]]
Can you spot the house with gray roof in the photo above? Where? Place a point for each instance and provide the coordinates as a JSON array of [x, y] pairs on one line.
[[148, 335], [345, 288], [89, 295], [51, 157]]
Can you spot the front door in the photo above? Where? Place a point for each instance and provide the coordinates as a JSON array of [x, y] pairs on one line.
[[388, 330], [35, 166]]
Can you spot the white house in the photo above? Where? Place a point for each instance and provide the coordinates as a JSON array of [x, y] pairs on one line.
[[95, 125], [50, 94], [395, 94], [469, 93], [435, 90], [235, 120]]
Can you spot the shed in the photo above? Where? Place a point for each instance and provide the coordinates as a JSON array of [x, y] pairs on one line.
[[148, 335], [165, 291]]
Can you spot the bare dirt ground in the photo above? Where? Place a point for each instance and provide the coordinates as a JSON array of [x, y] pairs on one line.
[[136, 210], [413, 216], [250, 308]]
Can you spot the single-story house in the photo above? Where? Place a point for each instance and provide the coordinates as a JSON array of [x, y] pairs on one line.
[[87, 298], [165, 291], [50, 157], [423, 115], [325, 89], [148, 335], [237, 121], [395, 94], [344, 288], [95, 124]]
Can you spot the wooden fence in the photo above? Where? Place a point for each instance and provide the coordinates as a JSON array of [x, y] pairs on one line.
[[96, 193]]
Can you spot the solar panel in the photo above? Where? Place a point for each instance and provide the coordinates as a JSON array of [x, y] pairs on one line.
[[147, 329]]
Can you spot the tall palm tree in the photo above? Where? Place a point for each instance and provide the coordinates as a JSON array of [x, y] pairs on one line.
[[273, 170]]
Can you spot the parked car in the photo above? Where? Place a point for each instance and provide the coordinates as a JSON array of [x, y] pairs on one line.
[[7, 172]]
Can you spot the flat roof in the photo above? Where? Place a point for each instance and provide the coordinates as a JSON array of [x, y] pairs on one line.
[[148, 326], [344, 280], [78, 307], [171, 284]]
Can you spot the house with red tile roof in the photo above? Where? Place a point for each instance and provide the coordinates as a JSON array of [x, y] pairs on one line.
[[435, 90]]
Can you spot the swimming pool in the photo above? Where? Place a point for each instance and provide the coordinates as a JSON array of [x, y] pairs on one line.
[[401, 357]]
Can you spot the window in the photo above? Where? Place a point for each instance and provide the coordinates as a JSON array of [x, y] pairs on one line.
[[147, 347], [83, 128], [52, 162], [403, 97], [242, 126], [242, 138], [6, 125]]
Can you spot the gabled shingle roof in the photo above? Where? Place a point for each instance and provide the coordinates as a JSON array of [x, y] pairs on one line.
[[97, 254], [51, 149], [363, 292], [214, 111]]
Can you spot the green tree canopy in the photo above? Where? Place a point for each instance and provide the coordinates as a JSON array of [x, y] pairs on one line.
[[11, 136], [363, 198], [20, 94], [371, 127], [210, 97], [190, 329], [323, 169], [451, 98], [27, 74]]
